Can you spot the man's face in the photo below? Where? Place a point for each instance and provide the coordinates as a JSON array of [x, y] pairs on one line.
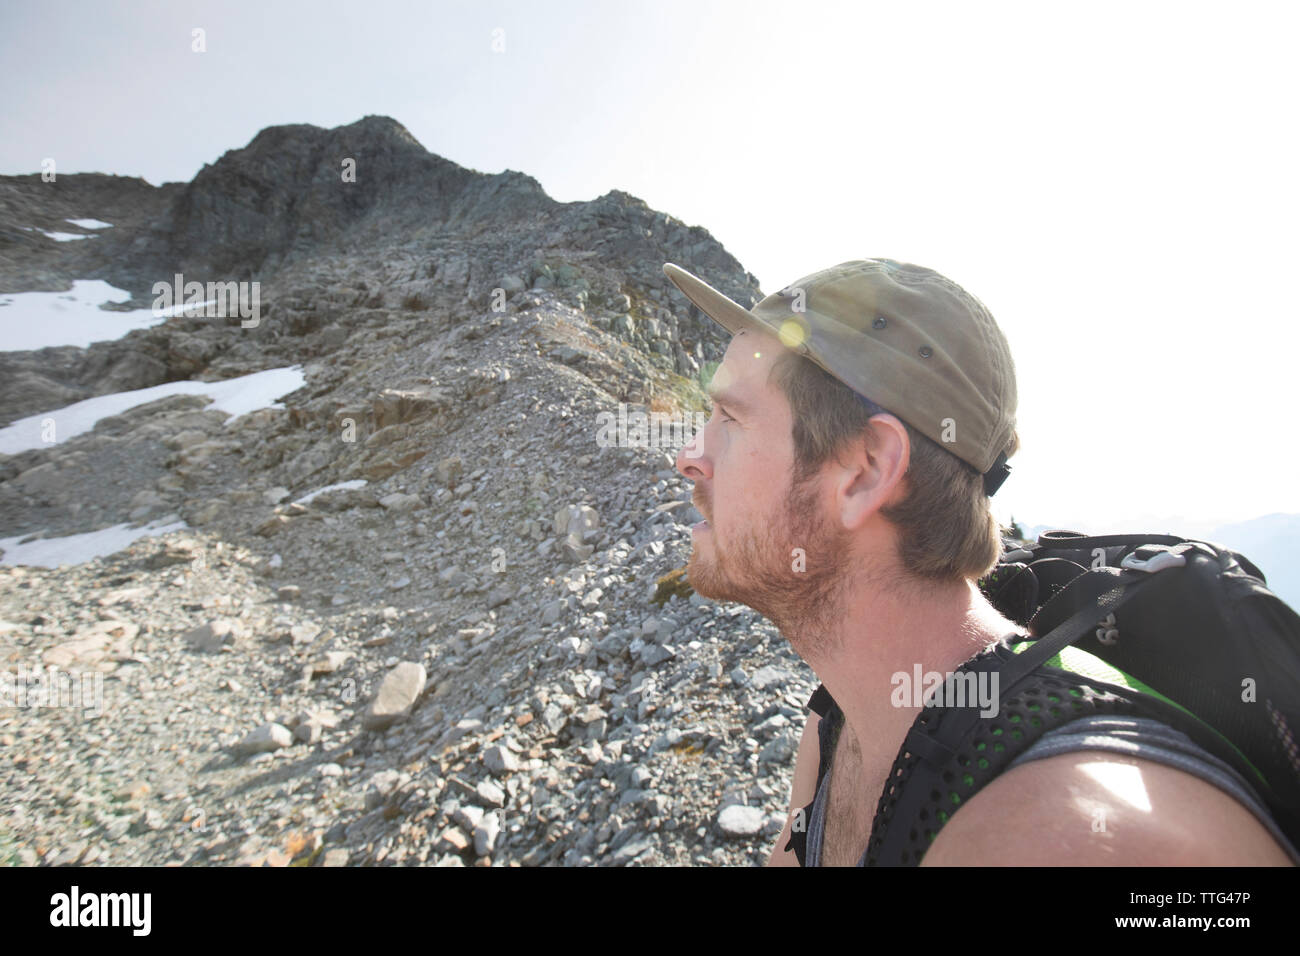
[[764, 543]]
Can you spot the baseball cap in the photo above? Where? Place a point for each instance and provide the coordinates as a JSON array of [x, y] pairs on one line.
[[903, 336]]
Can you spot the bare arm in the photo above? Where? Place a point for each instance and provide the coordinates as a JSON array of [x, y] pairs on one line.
[[802, 789], [1091, 808]]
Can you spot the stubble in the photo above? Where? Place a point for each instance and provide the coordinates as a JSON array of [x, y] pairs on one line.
[[791, 570]]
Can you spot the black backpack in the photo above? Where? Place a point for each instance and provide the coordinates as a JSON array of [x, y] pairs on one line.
[[1215, 654]]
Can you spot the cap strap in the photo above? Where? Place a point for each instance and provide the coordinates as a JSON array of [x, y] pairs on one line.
[[994, 477]]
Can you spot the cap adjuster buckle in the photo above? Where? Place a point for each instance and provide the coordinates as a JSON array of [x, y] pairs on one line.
[[995, 476], [1153, 558]]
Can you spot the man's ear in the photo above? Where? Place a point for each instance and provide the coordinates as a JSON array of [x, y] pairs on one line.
[[872, 473]]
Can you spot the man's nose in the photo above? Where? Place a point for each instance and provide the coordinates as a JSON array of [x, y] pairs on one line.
[[691, 462]]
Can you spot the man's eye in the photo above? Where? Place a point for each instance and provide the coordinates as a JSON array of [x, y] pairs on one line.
[[725, 416]]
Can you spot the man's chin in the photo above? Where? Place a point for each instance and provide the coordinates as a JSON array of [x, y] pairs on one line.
[[709, 582], [705, 579]]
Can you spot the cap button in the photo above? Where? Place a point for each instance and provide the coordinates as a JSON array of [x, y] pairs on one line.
[[879, 323], [925, 351]]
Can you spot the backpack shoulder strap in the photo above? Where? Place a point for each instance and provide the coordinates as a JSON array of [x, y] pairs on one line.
[[822, 704], [930, 780]]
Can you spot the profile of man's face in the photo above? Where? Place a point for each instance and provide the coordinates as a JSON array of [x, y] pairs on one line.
[[765, 542]]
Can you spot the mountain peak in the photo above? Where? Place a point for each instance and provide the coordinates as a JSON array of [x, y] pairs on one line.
[[374, 125]]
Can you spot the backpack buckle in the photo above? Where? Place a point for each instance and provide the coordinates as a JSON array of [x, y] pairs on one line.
[[1153, 558]]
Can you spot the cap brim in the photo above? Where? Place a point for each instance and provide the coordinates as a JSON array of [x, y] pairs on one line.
[[729, 314]]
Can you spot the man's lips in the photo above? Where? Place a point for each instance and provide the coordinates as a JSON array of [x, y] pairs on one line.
[[701, 525]]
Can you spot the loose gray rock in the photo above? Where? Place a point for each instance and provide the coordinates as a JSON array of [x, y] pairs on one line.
[[329, 662], [575, 550], [449, 471], [304, 633], [380, 786], [500, 595], [554, 718], [737, 821], [653, 654], [308, 733], [631, 850], [401, 503], [491, 794], [117, 829], [151, 819], [641, 777], [485, 834], [499, 759], [468, 817], [780, 749], [768, 676], [213, 636], [396, 696], [268, 737]]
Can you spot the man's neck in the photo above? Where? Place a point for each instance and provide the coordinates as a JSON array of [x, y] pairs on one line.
[[882, 641]]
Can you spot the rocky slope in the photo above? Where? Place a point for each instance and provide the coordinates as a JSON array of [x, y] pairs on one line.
[[474, 651]]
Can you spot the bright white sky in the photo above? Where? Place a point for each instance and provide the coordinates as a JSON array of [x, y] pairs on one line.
[[1115, 180]]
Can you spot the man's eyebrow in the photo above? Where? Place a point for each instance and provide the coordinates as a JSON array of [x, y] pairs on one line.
[[728, 399]]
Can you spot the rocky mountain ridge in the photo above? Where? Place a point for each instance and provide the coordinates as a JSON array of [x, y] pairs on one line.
[[414, 231]]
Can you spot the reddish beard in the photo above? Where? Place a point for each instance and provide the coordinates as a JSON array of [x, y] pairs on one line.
[[757, 564]]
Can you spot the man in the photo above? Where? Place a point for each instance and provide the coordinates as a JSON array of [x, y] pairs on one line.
[[860, 529]]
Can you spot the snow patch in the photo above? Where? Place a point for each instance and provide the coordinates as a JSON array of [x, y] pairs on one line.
[[78, 548], [67, 236], [341, 486], [90, 223], [36, 320], [235, 396]]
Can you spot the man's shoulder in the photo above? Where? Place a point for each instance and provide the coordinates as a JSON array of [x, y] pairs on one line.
[[1094, 808]]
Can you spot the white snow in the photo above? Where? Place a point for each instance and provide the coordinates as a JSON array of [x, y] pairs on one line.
[[34, 320], [67, 236], [78, 548], [341, 486], [237, 396], [90, 223]]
